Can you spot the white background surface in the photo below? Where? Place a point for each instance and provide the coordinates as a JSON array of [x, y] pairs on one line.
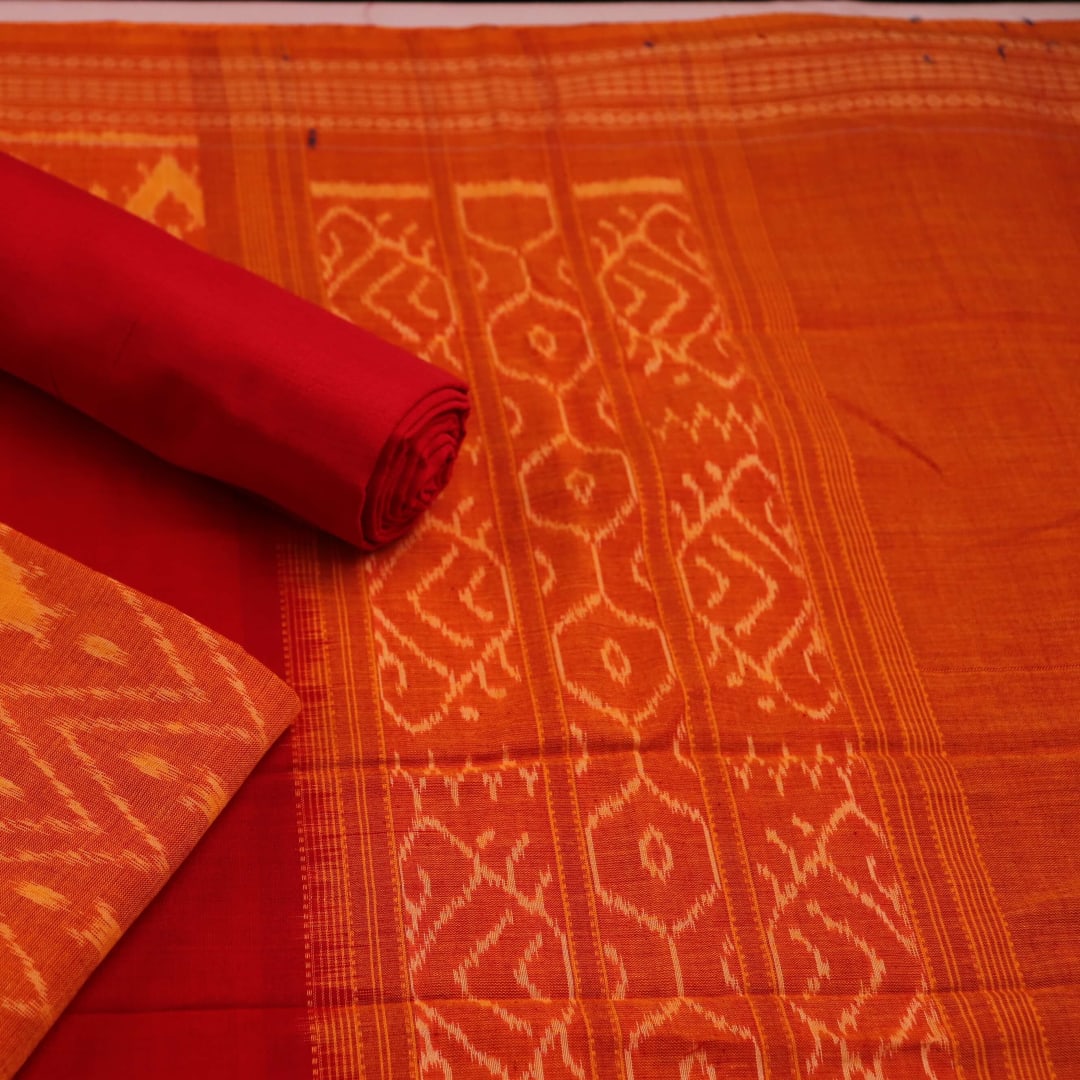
[[470, 14]]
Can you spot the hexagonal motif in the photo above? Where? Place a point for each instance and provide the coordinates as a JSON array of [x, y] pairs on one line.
[[613, 662]]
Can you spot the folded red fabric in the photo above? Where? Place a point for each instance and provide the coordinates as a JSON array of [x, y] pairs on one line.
[[216, 369]]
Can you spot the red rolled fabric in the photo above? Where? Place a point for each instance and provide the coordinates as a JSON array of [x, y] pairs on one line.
[[215, 369]]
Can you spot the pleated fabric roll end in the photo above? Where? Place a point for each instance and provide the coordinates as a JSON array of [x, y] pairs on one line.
[[217, 370], [414, 467]]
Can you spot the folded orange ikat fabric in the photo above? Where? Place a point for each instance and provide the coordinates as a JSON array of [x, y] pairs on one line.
[[124, 729], [720, 717]]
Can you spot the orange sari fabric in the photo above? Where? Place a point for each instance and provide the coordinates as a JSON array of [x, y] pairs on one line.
[[125, 727], [719, 719]]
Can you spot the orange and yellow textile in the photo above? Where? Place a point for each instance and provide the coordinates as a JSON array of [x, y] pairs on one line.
[[720, 719], [125, 727]]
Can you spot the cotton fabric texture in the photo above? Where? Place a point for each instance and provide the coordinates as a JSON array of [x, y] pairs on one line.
[[125, 727], [719, 718]]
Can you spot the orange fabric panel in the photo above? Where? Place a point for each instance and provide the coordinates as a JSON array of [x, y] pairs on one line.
[[606, 668], [720, 717], [125, 727], [955, 395]]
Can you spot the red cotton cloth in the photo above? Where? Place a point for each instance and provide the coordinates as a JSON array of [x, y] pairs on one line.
[[217, 370]]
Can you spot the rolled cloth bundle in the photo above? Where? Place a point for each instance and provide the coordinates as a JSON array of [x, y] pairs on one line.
[[216, 369]]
